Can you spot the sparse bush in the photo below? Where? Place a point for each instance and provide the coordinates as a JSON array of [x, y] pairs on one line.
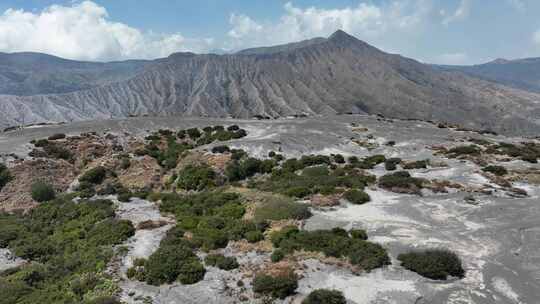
[[358, 234], [94, 176], [339, 159], [278, 287], [325, 296], [196, 177], [277, 255], [221, 261], [433, 264], [220, 149], [357, 197], [193, 133], [401, 181], [497, 170], [42, 192], [391, 163], [254, 236]]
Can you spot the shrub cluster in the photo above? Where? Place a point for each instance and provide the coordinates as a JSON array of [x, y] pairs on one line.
[[280, 286], [497, 170], [94, 176], [70, 243], [401, 181], [433, 264], [213, 218], [241, 169], [325, 296], [527, 151], [57, 136], [222, 262], [197, 178], [464, 150], [419, 164], [173, 261], [335, 243], [278, 208], [391, 163], [312, 180]]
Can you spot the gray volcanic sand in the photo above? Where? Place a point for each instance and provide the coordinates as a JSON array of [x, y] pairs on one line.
[[498, 239]]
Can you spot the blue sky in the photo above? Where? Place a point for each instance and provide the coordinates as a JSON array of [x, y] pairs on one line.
[[435, 31]]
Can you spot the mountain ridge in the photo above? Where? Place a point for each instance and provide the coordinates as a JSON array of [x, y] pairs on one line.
[[335, 75]]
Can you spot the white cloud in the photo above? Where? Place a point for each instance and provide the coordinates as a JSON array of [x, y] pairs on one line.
[[536, 37], [83, 31], [517, 4], [462, 12], [452, 58], [367, 21]]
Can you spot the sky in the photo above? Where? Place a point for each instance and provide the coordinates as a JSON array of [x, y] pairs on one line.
[[432, 31]]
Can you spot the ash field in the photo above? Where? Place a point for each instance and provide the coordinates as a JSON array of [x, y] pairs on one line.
[[491, 221]]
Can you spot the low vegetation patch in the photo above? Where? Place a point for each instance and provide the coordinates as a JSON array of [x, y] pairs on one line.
[[433, 264], [497, 170], [280, 208], [196, 178], [401, 182], [280, 286], [69, 245], [357, 197], [325, 296], [334, 243], [220, 261]]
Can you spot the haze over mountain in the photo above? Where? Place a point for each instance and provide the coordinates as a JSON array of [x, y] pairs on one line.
[[519, 73], [339, 74]]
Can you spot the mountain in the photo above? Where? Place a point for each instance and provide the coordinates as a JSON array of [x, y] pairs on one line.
[[521, 73], [338, 74], [28, 74]]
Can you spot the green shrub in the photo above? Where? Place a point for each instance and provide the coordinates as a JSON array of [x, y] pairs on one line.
[[338, 159], [254, 236], [173, 258], [196, 177], [278, 208], [191, 272], [325, 296], [54, 151], [5, 176], [357, 197], [497, 170], [278, 287], [220, 149], [277, 255], [222, 262], [94, 176], [193, 133], [433, 264], [359, 234], [334, 243], [391, 163], [400, 181], [42, 192], [370, 162]]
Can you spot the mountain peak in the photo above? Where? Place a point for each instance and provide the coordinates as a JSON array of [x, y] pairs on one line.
[[500, 61], [341, 36]]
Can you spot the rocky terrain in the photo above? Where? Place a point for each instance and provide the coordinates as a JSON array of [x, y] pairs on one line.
[[472, 194], [335, 75]]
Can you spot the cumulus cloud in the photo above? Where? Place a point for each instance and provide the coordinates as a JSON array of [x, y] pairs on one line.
[[462, 12], [517, 4], [367, 21], [458, 58], [84, 31]]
